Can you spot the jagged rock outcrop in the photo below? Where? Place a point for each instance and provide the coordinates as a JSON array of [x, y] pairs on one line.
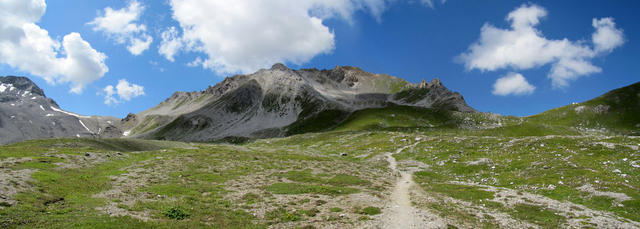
[[26, 113], [269, 102]]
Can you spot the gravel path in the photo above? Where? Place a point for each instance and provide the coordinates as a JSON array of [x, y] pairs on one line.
[[401, 213]]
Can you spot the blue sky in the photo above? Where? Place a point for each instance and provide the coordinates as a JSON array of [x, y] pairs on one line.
[[413, 40]]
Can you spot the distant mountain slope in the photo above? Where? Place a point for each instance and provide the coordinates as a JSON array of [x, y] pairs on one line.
[[281, 101], [615, 111], [26, 113]]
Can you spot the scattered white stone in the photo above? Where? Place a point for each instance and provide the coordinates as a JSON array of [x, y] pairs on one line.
[[13, 104], [78, 135], [49, 115], [126, 133], [607, 144], [560, 182], [617, 171], [625, 159], [33, 97], [579, 109]]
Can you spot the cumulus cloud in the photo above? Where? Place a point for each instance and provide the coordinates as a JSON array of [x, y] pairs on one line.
[[607, 36], [29, 48], [524, 47], [245, 35], [124, 90], [512, 84], [121, 26]]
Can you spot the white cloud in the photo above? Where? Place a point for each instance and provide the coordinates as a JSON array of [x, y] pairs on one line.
[[124, 91], [121, 26], [195, 63], [29, 48], [512, 84], [245, 35], [109, 97], [430, 3], [607, 36], [171, 43], [523, 47]]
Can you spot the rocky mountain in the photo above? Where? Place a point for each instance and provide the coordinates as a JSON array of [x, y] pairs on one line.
[[279, 101], [26, 113]]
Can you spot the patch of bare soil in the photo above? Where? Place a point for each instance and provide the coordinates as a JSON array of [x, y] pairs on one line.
[[346, 217], [13, 181]]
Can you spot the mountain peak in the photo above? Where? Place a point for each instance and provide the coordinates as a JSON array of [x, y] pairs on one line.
[[435, 82], [20, 83], [279, 66]]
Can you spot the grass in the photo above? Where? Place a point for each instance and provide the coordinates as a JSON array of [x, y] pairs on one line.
[[537, 215], [370, 211], [296, 188], [176, 213]]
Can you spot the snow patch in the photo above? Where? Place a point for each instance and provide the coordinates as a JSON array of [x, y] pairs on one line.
[[4, 87], [49, 115], [41, 107], [85, 127], [126, 133], [33, 97], [78, 135], [69, 113]]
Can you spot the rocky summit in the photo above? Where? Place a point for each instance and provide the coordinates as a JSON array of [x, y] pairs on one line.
[[273, 102], [26, 113]]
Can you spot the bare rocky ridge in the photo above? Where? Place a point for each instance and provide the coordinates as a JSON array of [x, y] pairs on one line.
[[268, 103], [26, 113], [271, 102]]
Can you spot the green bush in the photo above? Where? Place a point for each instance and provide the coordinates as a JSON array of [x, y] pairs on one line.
[[175, 213]]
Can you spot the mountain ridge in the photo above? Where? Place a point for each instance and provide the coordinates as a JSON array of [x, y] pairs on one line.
[[267, 102]]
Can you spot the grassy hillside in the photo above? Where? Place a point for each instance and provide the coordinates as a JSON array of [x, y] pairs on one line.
[[617, 111]]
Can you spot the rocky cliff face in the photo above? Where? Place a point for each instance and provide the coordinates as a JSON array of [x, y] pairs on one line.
[[26, 113], [267, 103]]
